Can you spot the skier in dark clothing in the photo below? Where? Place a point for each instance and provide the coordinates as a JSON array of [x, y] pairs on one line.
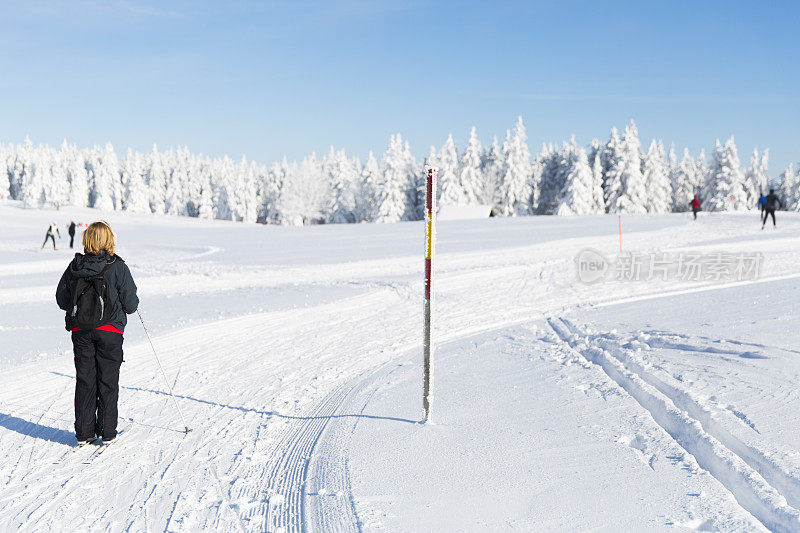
[[98, 350], [771, 203], [71, 231], [51, 234], [695, 203]]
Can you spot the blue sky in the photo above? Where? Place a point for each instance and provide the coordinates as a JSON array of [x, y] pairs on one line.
[[279, 77]]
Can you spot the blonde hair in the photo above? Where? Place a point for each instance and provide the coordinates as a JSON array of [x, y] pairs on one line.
[[98, 238]]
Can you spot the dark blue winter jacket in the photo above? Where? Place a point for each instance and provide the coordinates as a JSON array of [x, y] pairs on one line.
[[772, 202], [121, 288]]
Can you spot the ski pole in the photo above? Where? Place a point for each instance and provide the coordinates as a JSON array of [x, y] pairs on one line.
[[185, 426]]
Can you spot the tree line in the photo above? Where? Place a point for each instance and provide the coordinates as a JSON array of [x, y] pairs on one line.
[[615, 176]]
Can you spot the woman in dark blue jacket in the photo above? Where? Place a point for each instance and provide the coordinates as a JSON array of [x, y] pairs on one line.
[[99, 282]]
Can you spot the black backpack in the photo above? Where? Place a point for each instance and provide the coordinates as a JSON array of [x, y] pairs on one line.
[[90, 304]]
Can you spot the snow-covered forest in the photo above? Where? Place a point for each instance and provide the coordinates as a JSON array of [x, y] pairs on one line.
[[615, 176]]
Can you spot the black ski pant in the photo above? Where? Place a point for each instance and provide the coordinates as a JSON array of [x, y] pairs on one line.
[[694, 211], [71, 239], [98, 356], [767, 213], [49, 236]]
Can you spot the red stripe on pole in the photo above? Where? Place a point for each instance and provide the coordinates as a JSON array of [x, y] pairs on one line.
[[427, 279]]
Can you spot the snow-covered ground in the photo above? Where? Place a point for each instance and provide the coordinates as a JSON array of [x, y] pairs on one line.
[[295, 354]]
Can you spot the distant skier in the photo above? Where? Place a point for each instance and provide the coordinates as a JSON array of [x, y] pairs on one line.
[[771, 203], [97, 291], [695, 203], [71, 231], [762, 202], [51, 234]]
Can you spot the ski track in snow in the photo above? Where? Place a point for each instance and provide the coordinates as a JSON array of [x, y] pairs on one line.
[[767, 489], [274, 398]]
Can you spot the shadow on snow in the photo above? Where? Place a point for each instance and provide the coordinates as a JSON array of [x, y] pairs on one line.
[[38, 431], [251, 410]]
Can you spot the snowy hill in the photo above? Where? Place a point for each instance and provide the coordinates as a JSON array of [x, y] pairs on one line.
[[295, 353]]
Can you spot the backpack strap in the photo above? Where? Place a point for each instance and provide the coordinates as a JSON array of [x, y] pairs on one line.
[[77, 290], [105, 268]]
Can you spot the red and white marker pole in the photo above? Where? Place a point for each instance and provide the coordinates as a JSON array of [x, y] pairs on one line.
[[430, 239]]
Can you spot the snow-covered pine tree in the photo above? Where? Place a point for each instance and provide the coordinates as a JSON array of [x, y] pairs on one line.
[[112, 167], [450, 190], [205, 203], [610, 158], [244, 192], [684, 182], [788, 188], [512, 199], [578, 196], [101, 183], [598, 200], [534, 185], [672, 161], [656, 179], [178, 198], [174, 203], [704, 187], [31, 181], [366, 198], [352, 170], [342, 174], [194, 177], [22, 174], [235, 187], [331, 174], [750, 183], [726, 179], [156, 182], [595, 148], [755, 178], [57, 188], [75, 163], [313, 190], [43, 169], [415, 184], [224, 185], [632, 197], [491, 170], [262, 182], [395, 173], [288, 209], [672, 170], [551, 182], [763, 170], [135, 197], [278, 174], [16, 170], [469, 170]]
